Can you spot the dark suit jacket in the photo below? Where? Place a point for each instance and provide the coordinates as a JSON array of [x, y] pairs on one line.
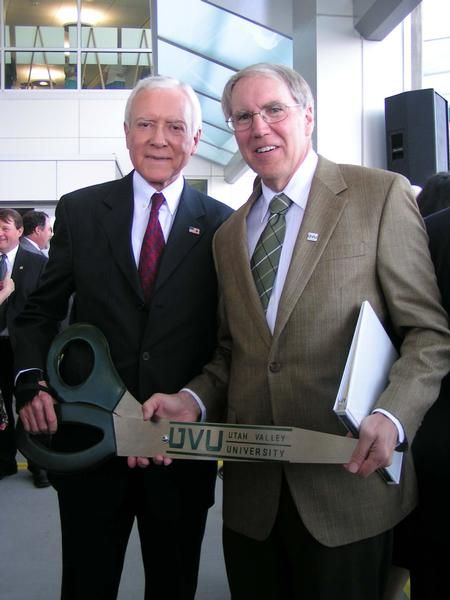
[[431, 447], [26, 274], [156, 347]]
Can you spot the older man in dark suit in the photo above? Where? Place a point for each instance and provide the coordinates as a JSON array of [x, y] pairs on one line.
[[160, 334], [25, 269]]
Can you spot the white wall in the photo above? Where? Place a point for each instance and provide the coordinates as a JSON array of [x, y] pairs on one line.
[[354, 76], [44, 180]]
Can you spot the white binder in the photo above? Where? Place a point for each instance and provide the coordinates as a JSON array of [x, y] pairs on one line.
[[365, 377]]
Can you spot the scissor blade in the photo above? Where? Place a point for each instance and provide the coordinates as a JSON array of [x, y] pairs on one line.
[[136, 437], [175, 439], [128, 406]]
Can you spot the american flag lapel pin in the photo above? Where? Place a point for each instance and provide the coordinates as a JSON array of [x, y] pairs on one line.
[[312, 236], [194, 230]]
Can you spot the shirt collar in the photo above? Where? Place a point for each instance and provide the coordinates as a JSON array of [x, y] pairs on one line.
[[11, 256], [299, 185], [33, 243], [143, 192]]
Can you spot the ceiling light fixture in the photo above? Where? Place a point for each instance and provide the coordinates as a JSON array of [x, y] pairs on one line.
[[69, 14]]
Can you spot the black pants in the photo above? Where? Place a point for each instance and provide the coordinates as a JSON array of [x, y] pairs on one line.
[[292, 565], [424, 553], [97, 516], [8, 445], [429, 576]]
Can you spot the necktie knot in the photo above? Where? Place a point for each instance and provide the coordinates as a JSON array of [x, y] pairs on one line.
[[279, 204], [157, 201]]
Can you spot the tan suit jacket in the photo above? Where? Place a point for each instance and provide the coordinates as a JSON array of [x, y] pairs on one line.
[[371, 245]]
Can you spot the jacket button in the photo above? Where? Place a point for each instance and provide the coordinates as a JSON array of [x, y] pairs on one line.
[[274, 367], [146, 356]]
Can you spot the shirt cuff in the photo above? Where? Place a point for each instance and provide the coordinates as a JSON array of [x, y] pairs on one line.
[[400, 430], [199, 402], [31, 372]]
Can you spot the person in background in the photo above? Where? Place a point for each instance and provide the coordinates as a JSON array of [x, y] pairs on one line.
[[420, 540], [6, 289], [435, 194], [37, 232], [430, 521], [136, 255], [25, 270], [343, 234]]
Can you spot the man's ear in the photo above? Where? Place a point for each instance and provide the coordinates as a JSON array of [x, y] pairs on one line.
[[309, 120], [197, 137], [126, 130]]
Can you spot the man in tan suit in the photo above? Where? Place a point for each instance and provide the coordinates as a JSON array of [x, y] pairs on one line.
[[302, 531]]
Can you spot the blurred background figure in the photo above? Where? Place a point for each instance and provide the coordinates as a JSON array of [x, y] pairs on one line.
[[24, 269], [6, 289], [435, 195], [37, 232], [420, 541]]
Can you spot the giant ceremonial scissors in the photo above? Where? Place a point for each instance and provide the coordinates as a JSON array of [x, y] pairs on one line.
[[103, 402]]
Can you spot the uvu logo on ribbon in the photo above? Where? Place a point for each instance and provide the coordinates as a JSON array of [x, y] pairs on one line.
[[204, 441], [234, 442]]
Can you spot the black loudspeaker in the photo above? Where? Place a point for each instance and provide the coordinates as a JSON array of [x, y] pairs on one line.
[[417, 134]]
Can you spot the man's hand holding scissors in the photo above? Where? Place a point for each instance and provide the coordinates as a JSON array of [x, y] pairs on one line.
[[173, 407]]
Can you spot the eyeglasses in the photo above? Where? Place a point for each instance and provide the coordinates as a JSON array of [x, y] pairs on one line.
[[274, 113]]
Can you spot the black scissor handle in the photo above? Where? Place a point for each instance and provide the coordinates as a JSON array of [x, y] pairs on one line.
[[66, 462], [103, 386], [90, 403]]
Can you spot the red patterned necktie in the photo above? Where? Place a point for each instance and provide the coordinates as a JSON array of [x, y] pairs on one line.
[[152, 247]]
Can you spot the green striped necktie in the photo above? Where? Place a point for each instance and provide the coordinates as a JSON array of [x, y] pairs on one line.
[[265, 259]]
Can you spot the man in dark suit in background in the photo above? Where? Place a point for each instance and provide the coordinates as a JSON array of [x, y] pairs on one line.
[[25, 270], [37, 232], [156, 342]]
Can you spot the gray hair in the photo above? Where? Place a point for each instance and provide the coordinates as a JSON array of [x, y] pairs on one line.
[[160, 82], [298, 87]]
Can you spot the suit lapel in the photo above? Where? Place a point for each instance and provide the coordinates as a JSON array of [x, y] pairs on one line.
[[322, 214], [187, 230], [20, 266], [116, 218]]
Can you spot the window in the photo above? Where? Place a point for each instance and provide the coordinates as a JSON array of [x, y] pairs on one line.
[[77, 44], [436, 46]]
